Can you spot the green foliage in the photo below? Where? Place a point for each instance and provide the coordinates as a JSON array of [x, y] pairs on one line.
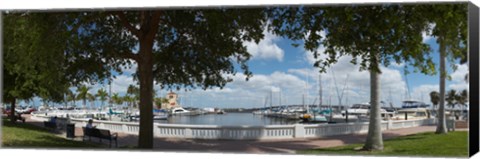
[[193, 47], [394, 32], [159, 101], [434, 97], [117, 99], [102, 95], [454, 144], [33, 57], [450, 27], [83, 93]]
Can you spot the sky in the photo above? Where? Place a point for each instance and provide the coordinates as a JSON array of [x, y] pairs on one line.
[[287, 73]]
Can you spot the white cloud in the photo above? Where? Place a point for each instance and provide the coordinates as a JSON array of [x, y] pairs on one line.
[[132, 69], [427, 36], [266, 48], [459, 74], [310, 58], [422, 92], [121, 83]]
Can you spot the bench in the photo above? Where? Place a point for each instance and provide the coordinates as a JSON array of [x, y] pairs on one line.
[[17, 117], [101, 134], [50, 125]]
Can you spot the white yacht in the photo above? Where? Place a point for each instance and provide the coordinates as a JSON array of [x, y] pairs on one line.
[[413, 109], [179, 111], [362, 111]]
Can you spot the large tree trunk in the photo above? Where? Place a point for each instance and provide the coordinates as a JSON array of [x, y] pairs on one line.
[[145, 68], [12, 111], [374, 139], [442, 122]]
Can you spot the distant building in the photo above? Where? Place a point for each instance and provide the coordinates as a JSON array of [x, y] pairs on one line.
[[172, 101]]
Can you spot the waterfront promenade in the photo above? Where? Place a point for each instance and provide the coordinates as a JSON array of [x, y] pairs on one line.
[[249, 146]]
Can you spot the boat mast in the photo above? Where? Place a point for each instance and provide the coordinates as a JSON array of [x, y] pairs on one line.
[[271, 98], [407, 92], [306, 90], [280, 97], [110, 93], [320, 90]]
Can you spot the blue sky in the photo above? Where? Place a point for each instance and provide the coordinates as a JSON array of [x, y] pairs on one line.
[[288, 73]]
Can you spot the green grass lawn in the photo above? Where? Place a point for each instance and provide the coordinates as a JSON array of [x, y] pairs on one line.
[[453, 144], [22, 135]]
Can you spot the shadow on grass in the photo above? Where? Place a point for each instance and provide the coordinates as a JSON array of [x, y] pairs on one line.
[[35, 126]]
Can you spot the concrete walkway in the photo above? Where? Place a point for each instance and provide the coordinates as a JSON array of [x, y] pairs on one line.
[[249, 146]]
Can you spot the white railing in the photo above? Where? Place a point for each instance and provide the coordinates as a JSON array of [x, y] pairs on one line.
[[247, 132]]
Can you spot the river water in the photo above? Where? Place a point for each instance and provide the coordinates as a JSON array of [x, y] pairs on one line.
[[227, 119]]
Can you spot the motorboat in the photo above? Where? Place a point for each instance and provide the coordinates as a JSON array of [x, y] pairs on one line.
[[160, 114], [412, 113], [362, 111], [180, 111]]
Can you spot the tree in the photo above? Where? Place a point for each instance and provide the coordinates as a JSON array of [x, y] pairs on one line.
[[174, 48], [128, 100], [91, 98], [116, 99], [463, 99], [134, 93], [71, 96], [159, 101], [434, 98], [33, 58], [451, 98], [371, 35], [450, 31], [102, 95], [83, 94]]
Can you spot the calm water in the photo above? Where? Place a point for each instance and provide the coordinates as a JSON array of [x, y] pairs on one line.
[[228, 119]]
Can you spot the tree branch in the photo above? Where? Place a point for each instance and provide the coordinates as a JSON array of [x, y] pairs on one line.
[[125, 23], [128, 55]]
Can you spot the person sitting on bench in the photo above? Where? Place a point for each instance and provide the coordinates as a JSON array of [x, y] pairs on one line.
[[53, 120], [90, 124]]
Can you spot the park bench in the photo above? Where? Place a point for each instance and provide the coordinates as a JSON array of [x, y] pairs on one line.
[[51, 125], [99, 133], [17, 117]]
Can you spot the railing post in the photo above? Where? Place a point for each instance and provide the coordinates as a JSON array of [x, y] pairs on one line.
[[188, 133], [389, 124], [299, 131], [125, 128]]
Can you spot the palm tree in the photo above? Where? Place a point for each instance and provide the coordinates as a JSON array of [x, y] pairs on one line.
[[434, 98], [71, 96], [135, 94], [83, 94], [91, 99], [116, 99], [462, 99], [451, 98], [127, 100], [102, 95], [159, 101]]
